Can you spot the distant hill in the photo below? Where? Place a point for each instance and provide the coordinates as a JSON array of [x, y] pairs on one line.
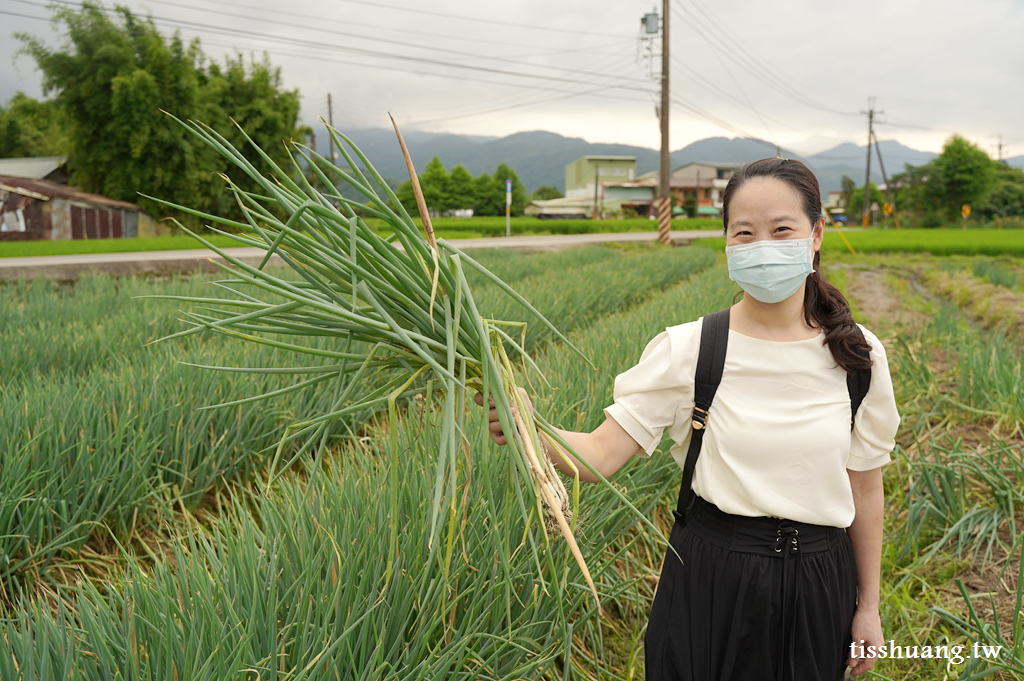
[[1016, 162], [539, 157]]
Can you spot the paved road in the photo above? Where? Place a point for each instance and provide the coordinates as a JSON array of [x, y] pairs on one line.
[[69, 267]]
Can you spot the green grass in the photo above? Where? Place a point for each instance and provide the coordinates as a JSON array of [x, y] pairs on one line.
[[19, 249], [940, 242], [445, 228]]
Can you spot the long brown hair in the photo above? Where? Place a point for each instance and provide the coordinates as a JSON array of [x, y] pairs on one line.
[[824, 305]]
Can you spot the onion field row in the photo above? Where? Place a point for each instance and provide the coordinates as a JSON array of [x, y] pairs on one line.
[[292, 584], [102, 438]]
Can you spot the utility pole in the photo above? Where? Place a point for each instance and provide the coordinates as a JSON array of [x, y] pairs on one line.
[[665, 169], [1000, 147], [595, 216], [888, 189], [312, 140], [330, 121], [866, 219]]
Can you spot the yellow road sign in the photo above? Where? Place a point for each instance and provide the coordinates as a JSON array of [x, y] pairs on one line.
[[887, 208], [966, 211]]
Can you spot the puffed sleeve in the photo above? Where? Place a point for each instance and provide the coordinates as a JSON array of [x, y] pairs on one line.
[[874, 428], [647, 395]]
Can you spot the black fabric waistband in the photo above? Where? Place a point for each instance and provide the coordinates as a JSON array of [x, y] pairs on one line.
[[765, 536]]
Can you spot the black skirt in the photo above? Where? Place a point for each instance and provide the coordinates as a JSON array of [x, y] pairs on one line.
[[753, 599]]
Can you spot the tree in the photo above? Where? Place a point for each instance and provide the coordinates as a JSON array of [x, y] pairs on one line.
[[460, 189], [857, 201], [435, 183], [908, 189], [32, 128], [488, 196], [546, 193], [848, 188], [484, 194], [1007, 196], [961, 174], [112, 79], [518, 190]]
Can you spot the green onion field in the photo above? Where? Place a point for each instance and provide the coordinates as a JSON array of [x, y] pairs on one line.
[[142, 536]]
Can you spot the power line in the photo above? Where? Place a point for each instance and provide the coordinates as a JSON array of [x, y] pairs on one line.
[[396, 69], [360, 36], [462, 17], [347, 22], [373, 53], [460, 112], [730, 47]]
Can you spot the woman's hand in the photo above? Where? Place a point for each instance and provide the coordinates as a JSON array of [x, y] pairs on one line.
[[867, 631], [493, 424]]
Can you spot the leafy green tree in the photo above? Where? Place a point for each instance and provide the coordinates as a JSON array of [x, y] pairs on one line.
[[460, 189], [435, 182], [444, 192], [1007, 196], [908, 189], [856, 205], [253, 97], [961, 174], [114, 75], [546, 193], [489, 195], [519, 200], [29, 127], [848, 188]]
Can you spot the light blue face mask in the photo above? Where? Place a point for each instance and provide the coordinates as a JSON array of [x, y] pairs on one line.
[[771, 270]]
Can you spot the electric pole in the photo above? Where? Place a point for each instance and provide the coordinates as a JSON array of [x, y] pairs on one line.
[[888, 189], [1000, 147], [866, 219], [595, 216], [665, 169], [330, 121]]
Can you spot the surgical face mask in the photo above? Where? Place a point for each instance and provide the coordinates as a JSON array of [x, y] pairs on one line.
[[771, 270]]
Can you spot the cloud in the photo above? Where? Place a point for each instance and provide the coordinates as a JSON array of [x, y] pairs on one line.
[[797, 74]]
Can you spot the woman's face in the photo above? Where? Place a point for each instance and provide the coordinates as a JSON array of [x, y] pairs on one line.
[[766, 208]]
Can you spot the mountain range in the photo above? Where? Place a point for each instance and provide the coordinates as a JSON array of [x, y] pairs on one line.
[[539, 157]]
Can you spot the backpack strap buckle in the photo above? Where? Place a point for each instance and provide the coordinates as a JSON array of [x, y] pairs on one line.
[[699, 418]]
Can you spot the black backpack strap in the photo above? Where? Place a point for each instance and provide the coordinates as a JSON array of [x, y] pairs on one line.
[[857, 384], [714, 339]]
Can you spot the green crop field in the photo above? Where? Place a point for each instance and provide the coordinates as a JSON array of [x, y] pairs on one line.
[[446, 228], [138, 538], [992, 242]]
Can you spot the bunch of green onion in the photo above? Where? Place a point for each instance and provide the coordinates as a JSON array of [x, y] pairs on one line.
[[404, 296]]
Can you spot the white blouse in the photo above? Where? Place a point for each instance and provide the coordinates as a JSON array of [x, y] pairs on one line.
[[778, 439]]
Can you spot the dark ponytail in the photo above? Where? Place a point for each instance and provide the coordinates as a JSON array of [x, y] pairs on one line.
[[824, 304]]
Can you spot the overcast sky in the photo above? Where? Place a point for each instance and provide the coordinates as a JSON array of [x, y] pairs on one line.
[[796, 73]]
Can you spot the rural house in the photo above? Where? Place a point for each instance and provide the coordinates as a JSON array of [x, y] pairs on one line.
[[39, 209]]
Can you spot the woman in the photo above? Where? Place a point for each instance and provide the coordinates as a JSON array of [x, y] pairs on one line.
[[779, 463]]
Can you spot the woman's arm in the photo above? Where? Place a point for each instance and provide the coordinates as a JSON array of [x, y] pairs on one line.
[[866, 537], [607, 449]]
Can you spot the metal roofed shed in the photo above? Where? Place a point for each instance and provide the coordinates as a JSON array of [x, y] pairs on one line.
[[36, 168], [32, 209]]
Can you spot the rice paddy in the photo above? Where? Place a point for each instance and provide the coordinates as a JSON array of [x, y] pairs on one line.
[[139, 537]]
